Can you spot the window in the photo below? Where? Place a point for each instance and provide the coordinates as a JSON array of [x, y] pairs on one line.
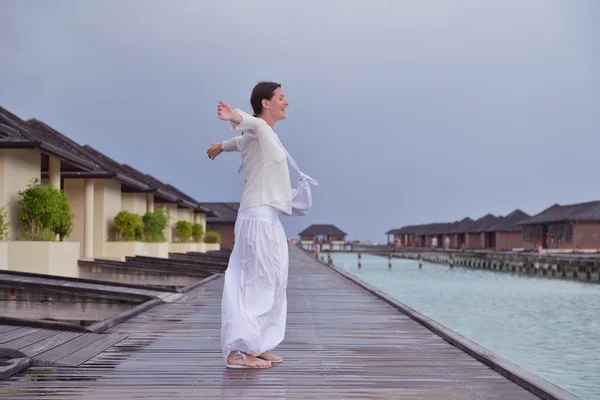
[[552, 231], [529, 233], [569, 233], [561, 233]]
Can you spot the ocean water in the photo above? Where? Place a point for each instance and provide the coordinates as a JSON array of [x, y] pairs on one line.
[[550, 327]]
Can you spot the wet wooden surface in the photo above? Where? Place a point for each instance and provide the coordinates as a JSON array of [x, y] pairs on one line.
[[341, 343], [59, 284], [47, 347]]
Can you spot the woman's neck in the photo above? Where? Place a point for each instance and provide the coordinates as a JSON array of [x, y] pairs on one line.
[[268, 119]]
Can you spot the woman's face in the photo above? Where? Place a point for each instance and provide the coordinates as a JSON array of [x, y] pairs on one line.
[[277, 104]]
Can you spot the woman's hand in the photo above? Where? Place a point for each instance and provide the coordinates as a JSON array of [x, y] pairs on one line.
[[214, 150], [225, 113]]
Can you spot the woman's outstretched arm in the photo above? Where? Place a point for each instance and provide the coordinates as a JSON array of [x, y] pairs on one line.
[[243, 122], [229, 145]]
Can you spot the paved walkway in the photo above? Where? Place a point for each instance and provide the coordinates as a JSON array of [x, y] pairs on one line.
[[342, 342]]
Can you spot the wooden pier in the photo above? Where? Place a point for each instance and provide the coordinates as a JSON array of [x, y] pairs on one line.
[[342, 342]]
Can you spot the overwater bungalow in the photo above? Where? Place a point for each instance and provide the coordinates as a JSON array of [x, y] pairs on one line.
[[572, 227], [506, 233], [330, 237]]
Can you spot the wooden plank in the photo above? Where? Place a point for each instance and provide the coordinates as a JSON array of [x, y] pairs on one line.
[[29, 340], [53, 341], [87, 352], [72, 285], [16, 334], [103, 325], [49, 357], [7, 328]]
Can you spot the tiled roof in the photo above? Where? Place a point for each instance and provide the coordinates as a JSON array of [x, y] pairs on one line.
[[462, 227], [509, 223], [159, 191], [16, 133], [198, 206], [111, 165], [227, 212], [482, 223], [322, 229], [588, 212]]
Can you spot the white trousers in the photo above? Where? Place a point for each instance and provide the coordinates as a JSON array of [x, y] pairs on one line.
[[254, 302]]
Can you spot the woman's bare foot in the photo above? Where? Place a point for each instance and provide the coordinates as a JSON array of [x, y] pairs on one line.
[[267, 355], [237, 359]]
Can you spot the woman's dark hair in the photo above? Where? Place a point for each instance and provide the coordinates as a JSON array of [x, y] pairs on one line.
[[262, 90]]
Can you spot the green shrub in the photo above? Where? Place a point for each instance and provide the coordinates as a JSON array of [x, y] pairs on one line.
[[43, 235], [183, 230], [197, 232], [155, 224], [213, 237], [129, 226], [4, 224], [44, 208]]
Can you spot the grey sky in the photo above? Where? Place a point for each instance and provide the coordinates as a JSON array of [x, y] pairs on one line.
[[404, 111]]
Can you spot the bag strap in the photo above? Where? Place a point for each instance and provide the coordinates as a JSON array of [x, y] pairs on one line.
[[295, 166], [292, 163]]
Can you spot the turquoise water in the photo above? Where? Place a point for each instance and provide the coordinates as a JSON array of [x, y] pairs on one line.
[[547, 326]]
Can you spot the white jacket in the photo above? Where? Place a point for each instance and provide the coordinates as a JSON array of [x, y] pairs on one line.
[[266, 173]]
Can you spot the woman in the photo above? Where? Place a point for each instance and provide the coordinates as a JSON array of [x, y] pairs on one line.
[[254, 303]]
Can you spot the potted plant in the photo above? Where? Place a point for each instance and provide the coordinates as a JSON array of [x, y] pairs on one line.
[[197, 232], [44, 214], [213, 240], [155, 224], [129, 229], [183, 233]]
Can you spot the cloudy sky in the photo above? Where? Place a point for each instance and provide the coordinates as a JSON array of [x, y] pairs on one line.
[[404, 111]]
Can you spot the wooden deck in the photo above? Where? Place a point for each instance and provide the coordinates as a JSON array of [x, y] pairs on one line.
[[342, 342], [49, 347]]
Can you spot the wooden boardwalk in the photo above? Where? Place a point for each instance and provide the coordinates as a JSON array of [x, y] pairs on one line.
[[52, 347], [342, 342]]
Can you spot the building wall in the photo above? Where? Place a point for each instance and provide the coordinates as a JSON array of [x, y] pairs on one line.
[[474, 241], [17, 168], [107, 204], [226, 229], [200, 218], [185, 214], [173, 217], [586, 236], [337, 239], [554, 241], [134, 202], [75, 191], [509, 240]]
